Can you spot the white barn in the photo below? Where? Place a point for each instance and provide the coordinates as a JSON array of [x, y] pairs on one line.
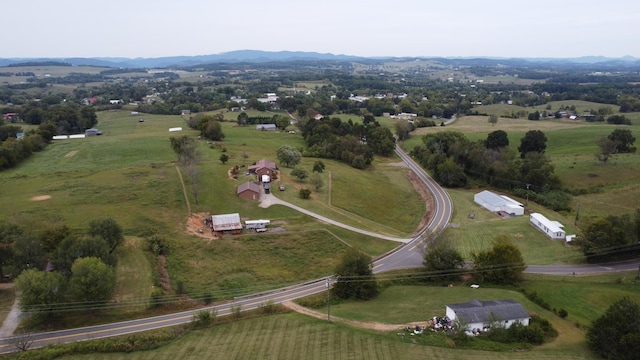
[[482, 314], [495, 203], [552, 229]]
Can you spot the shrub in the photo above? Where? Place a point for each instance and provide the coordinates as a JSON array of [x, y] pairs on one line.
[[304, 193]]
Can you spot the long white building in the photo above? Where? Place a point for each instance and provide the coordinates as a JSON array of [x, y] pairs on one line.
[[552, 229]]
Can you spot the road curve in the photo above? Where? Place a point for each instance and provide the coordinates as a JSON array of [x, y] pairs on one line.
[[408, 255]]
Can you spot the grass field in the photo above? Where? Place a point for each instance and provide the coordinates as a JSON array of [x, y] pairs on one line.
[[293, 336], [471, 235]]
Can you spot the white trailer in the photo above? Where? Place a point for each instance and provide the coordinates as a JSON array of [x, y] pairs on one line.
[[256, 224]]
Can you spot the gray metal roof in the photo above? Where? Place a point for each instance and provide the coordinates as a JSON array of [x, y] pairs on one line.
[[476, 311], [226, 222]]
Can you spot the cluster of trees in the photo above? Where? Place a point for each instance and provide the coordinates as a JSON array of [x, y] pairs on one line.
[[453, 160], [355, 278], [69, 118], [208, 125], [354, 144], [502, 263], [13, 151], [611, 238], [58, 268], [616, 334]]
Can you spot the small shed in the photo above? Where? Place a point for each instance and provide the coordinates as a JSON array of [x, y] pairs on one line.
[[226, 224], [92, 132], [248, 191], [266, 127], [479, 314], [552, 229], [496, 203]]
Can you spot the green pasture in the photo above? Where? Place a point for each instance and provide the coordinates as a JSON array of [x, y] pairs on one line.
[[474, 234], [129, 173]]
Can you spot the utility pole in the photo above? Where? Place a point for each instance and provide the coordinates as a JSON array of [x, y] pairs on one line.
[[526, 207], [328, 300]]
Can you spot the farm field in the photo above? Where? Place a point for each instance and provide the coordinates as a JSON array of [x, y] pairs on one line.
[[572, 148]]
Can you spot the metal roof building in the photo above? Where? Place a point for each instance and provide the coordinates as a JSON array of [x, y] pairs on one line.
[[226, 222], [495, 203], [481, 314]]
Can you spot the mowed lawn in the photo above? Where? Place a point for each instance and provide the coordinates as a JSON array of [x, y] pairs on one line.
[[294, 336]]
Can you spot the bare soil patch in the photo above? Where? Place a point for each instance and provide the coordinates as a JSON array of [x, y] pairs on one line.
[[196, 226], [41, 197], [71, 153], [426, 196]]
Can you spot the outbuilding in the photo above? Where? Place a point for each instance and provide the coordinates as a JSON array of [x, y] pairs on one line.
[[226, 224], [478, 315], [267, 127], [552, 229], [249, 191], [92, 132], [498, 203]]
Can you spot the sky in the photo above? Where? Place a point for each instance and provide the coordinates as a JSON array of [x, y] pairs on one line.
[[402, 28]]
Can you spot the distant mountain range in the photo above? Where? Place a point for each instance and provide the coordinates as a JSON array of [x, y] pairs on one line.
[[258, 56]]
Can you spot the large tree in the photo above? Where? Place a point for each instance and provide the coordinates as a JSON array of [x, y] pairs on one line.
[[40, 291], [109, 230], [502, 264], [92, 281], [288, 155], [533, 141], [624, 140], [355, 277], [607, 148], [497, 139], [605, 238], [616, 334], [442, 261]]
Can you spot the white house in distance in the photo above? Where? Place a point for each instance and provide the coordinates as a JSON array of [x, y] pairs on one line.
[[482, 314], [497, 203], [552, 229]]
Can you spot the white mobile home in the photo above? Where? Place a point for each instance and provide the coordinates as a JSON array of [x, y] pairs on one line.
[[256, 224], [552, 229], [497, 203]]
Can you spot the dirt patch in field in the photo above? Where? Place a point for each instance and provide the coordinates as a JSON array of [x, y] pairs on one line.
[[41, 197], [71, 153], [196, 226]]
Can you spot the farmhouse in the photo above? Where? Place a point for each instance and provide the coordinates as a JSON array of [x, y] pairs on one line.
[[266, 127], [482, 314], [552, 229], [248, 191], [226, 224], [264, 167], [498, 203]]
